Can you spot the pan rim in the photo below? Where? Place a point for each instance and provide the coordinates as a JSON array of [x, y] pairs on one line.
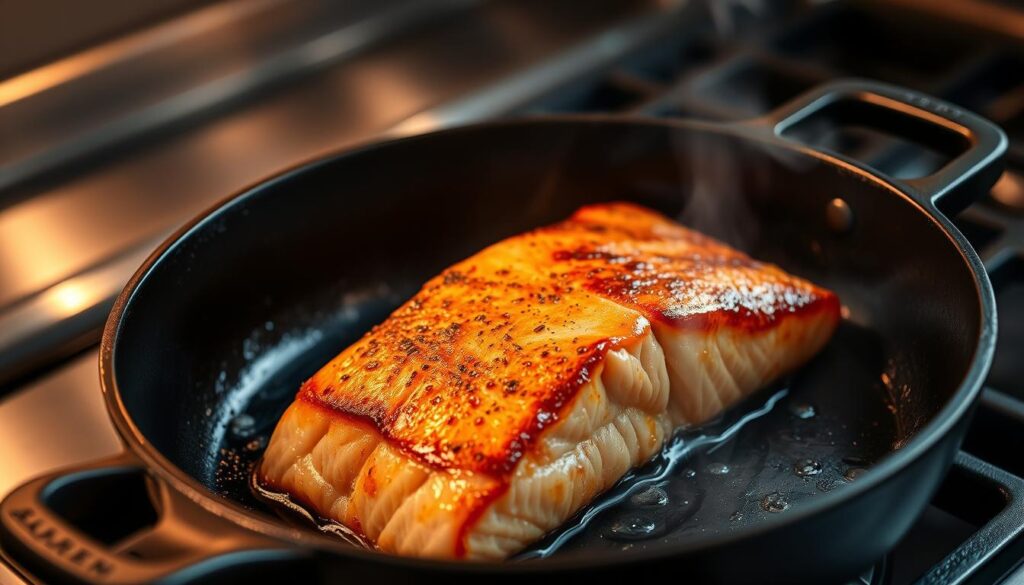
[[956, 408]]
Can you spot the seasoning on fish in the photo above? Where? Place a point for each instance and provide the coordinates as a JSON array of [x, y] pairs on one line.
[[522, 382]]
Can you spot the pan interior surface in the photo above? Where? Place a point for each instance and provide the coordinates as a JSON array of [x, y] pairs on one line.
[[256, 297]]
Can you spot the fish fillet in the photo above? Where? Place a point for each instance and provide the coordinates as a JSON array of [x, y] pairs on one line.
[[522, 382]]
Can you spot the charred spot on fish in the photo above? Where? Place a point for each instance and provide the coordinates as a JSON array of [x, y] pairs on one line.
[[453, 277]]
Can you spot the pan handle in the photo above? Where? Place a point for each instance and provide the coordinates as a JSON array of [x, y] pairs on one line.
[[975, 144], [185, 543]]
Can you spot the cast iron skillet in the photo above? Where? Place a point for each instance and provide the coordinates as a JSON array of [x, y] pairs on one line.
[[233, 311]]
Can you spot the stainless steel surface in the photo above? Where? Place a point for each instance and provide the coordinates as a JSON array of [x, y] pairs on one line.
[[40, 37], [478, 62], [8, 576], [65, 317], [55, 422], [520, 90], [183, 68]]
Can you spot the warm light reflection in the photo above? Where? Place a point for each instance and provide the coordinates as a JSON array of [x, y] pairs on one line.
[[417, 124], [108, 54], [1009, 190], [69, 296]]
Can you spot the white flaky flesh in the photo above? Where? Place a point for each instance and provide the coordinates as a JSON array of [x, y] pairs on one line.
[[639, 393]]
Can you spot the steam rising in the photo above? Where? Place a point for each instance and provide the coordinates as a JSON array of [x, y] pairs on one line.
[[717, 204], [724, 181], [715, 180]]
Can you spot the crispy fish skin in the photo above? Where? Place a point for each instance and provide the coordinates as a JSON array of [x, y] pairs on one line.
[[522, 382]]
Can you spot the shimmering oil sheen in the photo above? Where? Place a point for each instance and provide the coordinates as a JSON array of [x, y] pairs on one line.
[[652, 496], [287, 503], [633, 496], [775, 502], [807, 467]]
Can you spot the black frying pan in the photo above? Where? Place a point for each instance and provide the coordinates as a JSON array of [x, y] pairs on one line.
[[211, 338]]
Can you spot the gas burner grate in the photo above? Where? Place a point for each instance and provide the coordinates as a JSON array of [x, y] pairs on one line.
[[973, 524], [1007, 373]]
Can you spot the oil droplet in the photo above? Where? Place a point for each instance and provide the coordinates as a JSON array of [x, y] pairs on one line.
[[652, 496], [718, 469], [631, 528], [853, 473], [807, 467], [774, 502], [827, 485], [243, 426], [803, 410], [255, 444], [736, 516]]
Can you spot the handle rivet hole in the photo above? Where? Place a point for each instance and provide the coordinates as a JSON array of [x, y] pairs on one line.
[[839, 216]]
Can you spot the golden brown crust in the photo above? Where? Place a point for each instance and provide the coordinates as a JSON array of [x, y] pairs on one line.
[[471, 370]]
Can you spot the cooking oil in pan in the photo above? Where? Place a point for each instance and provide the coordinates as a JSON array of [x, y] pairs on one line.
[[633, 515], [816, 433], [291, 511], [761, 460]]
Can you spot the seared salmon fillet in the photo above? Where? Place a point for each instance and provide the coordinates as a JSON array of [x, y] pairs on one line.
[[522, 382]]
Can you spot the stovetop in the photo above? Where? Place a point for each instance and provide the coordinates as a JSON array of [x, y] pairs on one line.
[[83, 199]]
